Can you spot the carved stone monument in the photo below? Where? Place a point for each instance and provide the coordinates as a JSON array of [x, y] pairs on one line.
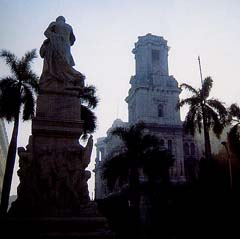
[[53, 175]]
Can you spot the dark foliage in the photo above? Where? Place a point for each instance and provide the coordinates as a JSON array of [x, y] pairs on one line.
[[234, 133], [18, 89], [17, 92], [209, 114], [89, 103], [140, 150], [204, 208], [215, 111]]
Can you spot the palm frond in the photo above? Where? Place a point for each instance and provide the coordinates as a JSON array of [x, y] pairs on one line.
[[29, 56], [214, 121], [33, 80], [189, 88], [131, 136], [10, 100], [188, 101], [189, 122], [219, 107], [121, 132], [89, 96], [206, 87], [234, 110], [24, 64], [115, 168], [89, 121], [7, 82], [28, 101], [10, 60]]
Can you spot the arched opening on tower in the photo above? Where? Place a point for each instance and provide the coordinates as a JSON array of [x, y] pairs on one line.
[[160, 110]]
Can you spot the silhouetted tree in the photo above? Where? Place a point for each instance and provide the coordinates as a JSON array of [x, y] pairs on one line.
[[89, 102], [16, 92], [140, 150], [234, 135], [204, 112]]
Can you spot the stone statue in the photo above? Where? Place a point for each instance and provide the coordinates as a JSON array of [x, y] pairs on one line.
[[58, 71]]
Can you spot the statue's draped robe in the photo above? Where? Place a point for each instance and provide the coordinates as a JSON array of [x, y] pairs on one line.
[[58, 62]]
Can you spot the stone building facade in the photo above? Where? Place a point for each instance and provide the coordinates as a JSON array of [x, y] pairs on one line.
[[152, 98], [3, 152]]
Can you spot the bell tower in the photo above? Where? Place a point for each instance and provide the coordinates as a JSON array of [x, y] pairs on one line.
[[151, 55], [154, 94], [153, 98]]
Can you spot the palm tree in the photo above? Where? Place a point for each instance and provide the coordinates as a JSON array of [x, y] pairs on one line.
[[234, 135], [204, 112], [16, 92], [89, 102], [140, 151]]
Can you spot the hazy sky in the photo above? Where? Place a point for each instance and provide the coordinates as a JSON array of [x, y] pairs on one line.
[[106, 31]]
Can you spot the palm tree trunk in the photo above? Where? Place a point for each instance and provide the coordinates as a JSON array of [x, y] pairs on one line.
[[208, 151], [11, 155]]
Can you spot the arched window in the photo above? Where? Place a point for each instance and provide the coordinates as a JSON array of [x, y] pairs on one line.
[[181, 168], [192, 149], [160, 110], [162, 142], [186, 149], [155, 56], [170, 145]]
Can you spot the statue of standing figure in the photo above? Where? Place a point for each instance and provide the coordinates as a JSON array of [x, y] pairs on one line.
[[58, 71]]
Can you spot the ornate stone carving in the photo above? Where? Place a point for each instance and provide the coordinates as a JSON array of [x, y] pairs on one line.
[[54, 181]]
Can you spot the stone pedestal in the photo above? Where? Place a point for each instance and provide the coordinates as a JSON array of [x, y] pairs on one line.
[[53, 200], [56, 228], [53, 175]]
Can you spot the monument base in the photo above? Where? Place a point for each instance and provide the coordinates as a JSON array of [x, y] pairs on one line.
[[56, 228], [52, 167]]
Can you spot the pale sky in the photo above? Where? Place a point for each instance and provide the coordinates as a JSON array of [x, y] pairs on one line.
[[106, 31]]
